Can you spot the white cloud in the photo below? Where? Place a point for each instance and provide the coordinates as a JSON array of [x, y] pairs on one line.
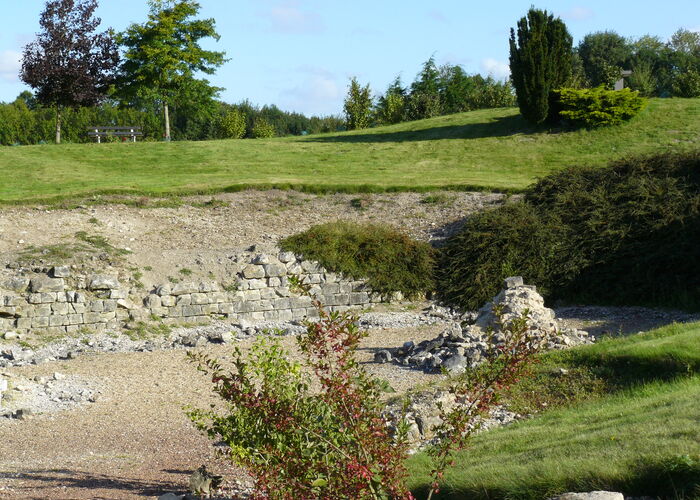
[[289, 18], [10, 64], [495, 68], [577, 13], [318, 93]]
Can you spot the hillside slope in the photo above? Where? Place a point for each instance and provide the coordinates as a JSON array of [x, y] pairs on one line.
[[487, 149]]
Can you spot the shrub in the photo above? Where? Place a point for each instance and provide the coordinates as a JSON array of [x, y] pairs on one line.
[[232, 125], [336, 441], [262, 129], [597, 107], [387, 258], [623, 234], [511, 240], [687, 84]]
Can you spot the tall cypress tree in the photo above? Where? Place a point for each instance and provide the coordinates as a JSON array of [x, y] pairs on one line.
[[540, 62]]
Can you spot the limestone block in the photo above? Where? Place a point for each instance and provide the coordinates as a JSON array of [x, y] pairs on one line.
[[24, 323], [184, 288], [61, 297], [60, 308], [13, 300], [294, 268], [103, 282], [96, 306], [330, 288], [286, 257], [107, 316], [251, 271], [199, 299], [48, 297], [217, 297], [163, 290], [152, 301], [209, 286], [92, 317], [285, 315], [283, 291], [331, 277], [109, 305], [42, 310], [34, 298], [78, 308], [274, 269], [268, 294], [58, 320], [45, 284], [158, 311], [280, 304], [40, 322], [271, 316], [60, 271], [257, 284], [359, 298], [175, 312], [7, 312], [17, 284], [274, 282], [184, 300], [345, 287], [188, 311], [251, 295], [167, 301], [225, 308], [118, 294], [210, 309], [75, 319]]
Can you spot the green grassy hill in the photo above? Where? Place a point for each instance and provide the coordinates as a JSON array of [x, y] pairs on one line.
[[488, 149], [640, 435]]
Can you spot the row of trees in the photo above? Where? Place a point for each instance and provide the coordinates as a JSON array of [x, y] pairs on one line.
[[543, 59], [25, 121], [435, 91], [69, 65]]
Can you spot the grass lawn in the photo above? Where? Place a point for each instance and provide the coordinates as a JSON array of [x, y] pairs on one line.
[[488, 149], [641, 438]]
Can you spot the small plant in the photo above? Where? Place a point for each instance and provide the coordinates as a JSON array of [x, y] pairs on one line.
[[173, 280], [230, 287], [336, 442], [95, 221], [436, 199], [147, 268], [185, 272], [598, 107], [361, 203], [100, 243]]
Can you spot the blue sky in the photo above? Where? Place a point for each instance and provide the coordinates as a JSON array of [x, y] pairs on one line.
[[299, 54]]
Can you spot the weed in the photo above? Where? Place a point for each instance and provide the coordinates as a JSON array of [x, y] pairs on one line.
[[173, 280], [185, 272], [95, 221]]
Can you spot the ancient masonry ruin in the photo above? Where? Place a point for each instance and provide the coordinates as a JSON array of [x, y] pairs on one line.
[[59, 302]]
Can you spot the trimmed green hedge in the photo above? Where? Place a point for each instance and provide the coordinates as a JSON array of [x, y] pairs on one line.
[[388, 259], [625, 234], [597, 107]]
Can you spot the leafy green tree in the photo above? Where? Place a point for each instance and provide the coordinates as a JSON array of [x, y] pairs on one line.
[[358, 105], [424, 101], [391, 107], [163, 56], [604, 55], [262, 129], [69, 65], [540, 62], [233, 124]]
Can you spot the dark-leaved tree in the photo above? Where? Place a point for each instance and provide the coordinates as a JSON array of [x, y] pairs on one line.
[[163, 56], [540, 61], [69, 65]]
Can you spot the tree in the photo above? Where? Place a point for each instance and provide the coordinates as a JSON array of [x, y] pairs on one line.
[[69, 65], [391, 107], [163, 55], [540, 62], [232, 125], [358, 105], [424, 101], [604, 55]]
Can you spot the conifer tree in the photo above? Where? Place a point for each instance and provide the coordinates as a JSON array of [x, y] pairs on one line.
[[540, 62]]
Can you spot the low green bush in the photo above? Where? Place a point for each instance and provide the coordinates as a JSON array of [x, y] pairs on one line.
[[598, 106], [389, 260], [624, 234]]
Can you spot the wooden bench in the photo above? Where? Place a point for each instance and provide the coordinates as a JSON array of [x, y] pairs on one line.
[[100, 132]]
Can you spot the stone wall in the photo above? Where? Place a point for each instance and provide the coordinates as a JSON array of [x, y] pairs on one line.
[[59, 302]]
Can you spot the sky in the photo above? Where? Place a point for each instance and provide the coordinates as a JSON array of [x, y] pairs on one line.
[[300, 54]]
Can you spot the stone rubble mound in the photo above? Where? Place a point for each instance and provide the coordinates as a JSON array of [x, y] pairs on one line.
[[20, 398], [463, 345]]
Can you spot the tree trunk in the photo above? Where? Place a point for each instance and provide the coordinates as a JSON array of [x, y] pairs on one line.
[[167, 121], [58, 124]]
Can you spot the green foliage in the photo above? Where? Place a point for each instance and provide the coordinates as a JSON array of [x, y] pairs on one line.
[[624, 234], [262, 129], [604, 54], [687, 84], [540, 61], [357, 106], [232, 124], [162, 56], [598, 107], [516, 239], [388, 259]]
